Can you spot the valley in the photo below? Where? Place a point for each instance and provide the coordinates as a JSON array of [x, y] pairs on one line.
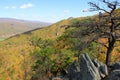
[[1, 39], [10, 26]]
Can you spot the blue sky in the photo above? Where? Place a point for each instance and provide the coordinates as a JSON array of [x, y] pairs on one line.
[[44, 10]]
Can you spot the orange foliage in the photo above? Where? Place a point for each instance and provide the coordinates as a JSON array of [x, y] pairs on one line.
[[115, 54]]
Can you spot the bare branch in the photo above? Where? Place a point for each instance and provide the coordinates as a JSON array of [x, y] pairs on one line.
[[116, 18], [103, 44], [96, 7], [117, 36], [117, 25]]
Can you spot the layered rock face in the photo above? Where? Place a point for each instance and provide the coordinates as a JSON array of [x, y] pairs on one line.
[[86, 69]]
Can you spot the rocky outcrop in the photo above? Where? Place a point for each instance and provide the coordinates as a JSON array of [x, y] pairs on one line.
[[102, 68], [115, 66], [114, 75], [74, 70], [86, 69]]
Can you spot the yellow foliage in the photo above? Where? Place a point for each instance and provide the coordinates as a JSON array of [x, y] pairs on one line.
[[115, 54], [14, 50]]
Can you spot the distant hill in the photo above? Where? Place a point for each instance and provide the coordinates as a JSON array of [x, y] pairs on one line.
[[10, 27]]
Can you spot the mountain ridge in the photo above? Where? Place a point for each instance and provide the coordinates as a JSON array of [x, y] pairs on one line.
[[11, 26]]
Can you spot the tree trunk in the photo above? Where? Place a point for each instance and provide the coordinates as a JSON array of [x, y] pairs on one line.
[[108, 56], [109, 50]]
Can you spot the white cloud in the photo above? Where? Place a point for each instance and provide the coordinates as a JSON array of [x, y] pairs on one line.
[[6, 7], [10, 7], [66, 11], [88, 10], [25, 6], [13, 7]]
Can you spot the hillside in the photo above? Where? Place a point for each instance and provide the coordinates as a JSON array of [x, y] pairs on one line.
[[10, 26], [13, 48], [48, 50]]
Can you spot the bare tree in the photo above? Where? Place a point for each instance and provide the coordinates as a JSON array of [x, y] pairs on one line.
[[108, 24]]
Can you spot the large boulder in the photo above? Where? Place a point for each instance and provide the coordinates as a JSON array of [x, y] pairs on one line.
[[115, 66], [88, 71], [103, 71], [73, 71], [96, 63], [114, 75]]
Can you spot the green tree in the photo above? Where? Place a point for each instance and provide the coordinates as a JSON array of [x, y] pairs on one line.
[[42, 65], [60, 63], [107, 25], [50, 60]]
